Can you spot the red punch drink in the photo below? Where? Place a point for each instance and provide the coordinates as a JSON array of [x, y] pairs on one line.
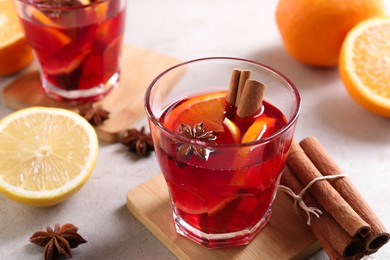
[[77, 44], [216, 199], [222, 169]]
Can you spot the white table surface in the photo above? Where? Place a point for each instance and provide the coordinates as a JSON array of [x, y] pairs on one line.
[[358, 140]]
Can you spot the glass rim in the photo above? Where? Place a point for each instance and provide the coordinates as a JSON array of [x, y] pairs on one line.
[[176, 136], [43, 5]]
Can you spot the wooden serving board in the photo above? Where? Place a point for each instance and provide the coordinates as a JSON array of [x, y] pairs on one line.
[[125, 103], [285, 237]]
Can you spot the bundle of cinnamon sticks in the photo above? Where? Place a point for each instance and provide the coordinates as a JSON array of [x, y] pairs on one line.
[[347, 228]]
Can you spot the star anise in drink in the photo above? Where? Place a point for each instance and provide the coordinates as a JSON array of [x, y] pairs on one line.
[[58, 241], [195, 133]]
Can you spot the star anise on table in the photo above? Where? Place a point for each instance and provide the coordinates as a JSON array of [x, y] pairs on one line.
[[138, 141], [58, 241], [95, 115], [196, 132]]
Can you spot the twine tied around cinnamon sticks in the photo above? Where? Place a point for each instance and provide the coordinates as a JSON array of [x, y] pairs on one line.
[[348, 228], [298, 198]]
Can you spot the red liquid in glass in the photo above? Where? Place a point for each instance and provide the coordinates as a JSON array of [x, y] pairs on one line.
[[77, 58], [230, 191]]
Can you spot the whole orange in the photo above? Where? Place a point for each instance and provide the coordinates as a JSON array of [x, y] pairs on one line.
[[314, 30]]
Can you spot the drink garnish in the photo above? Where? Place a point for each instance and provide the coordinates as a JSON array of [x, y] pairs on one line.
[[259, 129], [245, 95], [251, 98], [196, 132], [237, 83]]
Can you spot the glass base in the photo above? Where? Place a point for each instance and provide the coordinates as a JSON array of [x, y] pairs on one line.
[[238, 238], [80, 96]]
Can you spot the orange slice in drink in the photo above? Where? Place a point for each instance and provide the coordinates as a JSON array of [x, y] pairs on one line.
[[262, 127], [209, 109], [48, 36], [233, 129], [258, 129], [101, 11], [192, 203], [40, 16], [59, 63]]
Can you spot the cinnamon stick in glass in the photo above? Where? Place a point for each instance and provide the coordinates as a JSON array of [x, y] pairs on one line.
[[244, 76], [244, 94], [233, 87], [325, 194], [327, 166], [236, 86], [237, 83], [334, 240], [251, 98]]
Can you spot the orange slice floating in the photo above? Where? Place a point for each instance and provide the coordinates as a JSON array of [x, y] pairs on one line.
[[258, 129], [209, 109], [233, 130], [67, 64]]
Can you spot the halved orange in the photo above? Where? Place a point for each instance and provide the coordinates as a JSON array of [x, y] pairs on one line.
[[209, 109], [15, 53], [365, 64]]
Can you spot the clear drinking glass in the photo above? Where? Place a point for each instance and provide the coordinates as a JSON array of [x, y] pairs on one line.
[[224, 197], [77, 44]]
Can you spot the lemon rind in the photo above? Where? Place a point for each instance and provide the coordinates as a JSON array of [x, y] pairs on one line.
[[47, 197]]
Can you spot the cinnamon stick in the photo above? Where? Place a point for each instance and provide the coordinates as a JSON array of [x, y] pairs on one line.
[[251, 98], [327, 166], [244, 76], [233, 87], [335, 241], [237, 83], [325, 194]]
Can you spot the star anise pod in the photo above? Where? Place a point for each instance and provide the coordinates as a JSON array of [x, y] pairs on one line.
[[60, 240], [95, 115], [195, 132], [138, 141]]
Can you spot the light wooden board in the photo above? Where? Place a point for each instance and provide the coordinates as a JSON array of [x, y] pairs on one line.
[[125, 103], [285, 237]]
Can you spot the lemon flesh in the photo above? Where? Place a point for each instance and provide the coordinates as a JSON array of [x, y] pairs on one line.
[[46, 155]]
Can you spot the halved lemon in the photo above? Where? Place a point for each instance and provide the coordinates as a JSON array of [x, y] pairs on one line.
[[46, 155], [365, 64]]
